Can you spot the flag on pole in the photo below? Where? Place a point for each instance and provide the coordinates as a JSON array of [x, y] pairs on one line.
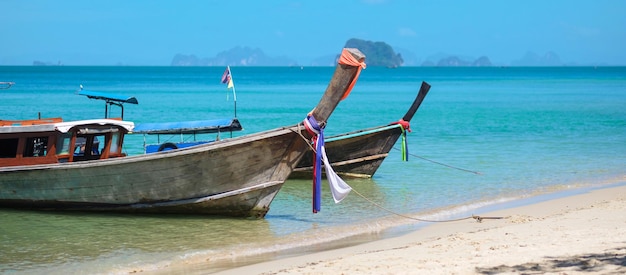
[[227, 78]]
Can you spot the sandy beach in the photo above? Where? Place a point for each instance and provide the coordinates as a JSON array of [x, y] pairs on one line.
[[579, 234]]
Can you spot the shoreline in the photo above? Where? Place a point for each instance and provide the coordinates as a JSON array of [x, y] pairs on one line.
[[582, 229]]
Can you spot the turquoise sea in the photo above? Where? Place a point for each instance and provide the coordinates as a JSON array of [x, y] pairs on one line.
[[483, 138]]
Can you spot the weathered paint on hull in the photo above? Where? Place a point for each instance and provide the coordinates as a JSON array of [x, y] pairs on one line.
[[253, 202]]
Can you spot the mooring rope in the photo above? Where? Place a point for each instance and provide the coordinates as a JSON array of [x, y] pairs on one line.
[[443, 164], [299, 132], [477, 218]]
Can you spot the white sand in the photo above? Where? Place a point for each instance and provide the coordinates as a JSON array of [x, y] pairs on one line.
[[580, 234]]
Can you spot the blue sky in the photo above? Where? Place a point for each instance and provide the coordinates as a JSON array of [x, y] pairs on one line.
[[152, 32]]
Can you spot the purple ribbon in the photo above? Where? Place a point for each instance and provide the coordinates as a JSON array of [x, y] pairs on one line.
[[317, 132]]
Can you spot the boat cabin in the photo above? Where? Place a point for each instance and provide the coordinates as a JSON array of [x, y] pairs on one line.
[[44, 142]]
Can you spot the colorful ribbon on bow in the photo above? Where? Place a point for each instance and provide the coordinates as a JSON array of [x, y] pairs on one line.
[[347, 58], [317, 133], [405, 126], [339, 188]]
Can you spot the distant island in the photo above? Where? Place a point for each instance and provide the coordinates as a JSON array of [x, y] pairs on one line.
[[378, 54], [42, 63], [455, 61], [238, 56]]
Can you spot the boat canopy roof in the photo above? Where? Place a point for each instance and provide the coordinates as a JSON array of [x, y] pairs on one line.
[[189, 127], [64, 127], [109, 97]]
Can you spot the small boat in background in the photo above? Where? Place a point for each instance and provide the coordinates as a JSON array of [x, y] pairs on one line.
[[41, 166], [359, 154], [6, 85]]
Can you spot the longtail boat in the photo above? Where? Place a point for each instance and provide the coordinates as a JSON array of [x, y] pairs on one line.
[[359, 154], [41, 169]]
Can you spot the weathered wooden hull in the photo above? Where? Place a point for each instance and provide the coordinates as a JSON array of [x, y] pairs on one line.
[[239, 177], [356, 154]]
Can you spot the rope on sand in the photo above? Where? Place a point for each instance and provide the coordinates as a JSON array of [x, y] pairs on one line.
[[477, 218]]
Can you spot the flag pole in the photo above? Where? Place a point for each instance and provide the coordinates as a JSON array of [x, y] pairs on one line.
[[234, 92]]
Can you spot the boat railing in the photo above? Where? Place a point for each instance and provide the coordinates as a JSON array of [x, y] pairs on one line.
[[188, 131]]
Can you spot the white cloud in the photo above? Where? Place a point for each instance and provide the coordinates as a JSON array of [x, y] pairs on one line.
[[406, 32]]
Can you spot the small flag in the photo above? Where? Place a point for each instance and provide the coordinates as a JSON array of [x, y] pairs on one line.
[[227, 78]]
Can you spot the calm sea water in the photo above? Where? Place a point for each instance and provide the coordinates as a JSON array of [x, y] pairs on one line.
[[525, 131]]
